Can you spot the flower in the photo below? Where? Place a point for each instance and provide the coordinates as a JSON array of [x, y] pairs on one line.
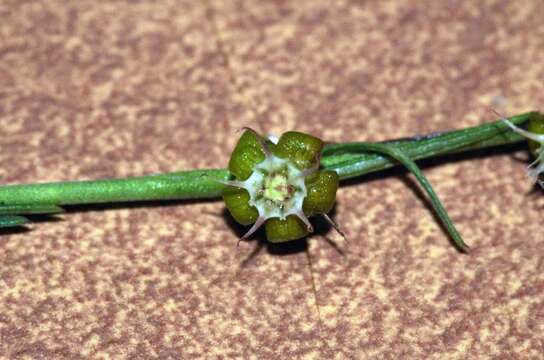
[[535, 134], [279, 184]]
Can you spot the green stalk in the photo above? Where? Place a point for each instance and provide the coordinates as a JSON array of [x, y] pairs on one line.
[[397, 154], [192, 184], [343, 158], [346, 159]]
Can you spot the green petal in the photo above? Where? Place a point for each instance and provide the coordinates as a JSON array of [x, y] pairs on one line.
[[302, 149], [246, 155], [321, 195], [536, 126], [237, 201], [291, 228]]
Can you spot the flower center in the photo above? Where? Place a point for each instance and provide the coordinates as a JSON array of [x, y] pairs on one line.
[[276, 188]]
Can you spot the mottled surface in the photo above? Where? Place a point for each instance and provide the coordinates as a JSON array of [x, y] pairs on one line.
[[115, 88]]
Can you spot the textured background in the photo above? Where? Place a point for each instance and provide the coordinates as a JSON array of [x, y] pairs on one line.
[[116, 88]]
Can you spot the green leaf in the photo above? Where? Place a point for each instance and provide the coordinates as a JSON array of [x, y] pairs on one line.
[[30, 209], [401, 157], [12, 221]]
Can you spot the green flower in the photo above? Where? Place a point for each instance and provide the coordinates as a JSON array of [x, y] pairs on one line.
[[279, 185], [535, 134]]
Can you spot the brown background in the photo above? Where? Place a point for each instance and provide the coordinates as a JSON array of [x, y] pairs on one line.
[[117, 88]]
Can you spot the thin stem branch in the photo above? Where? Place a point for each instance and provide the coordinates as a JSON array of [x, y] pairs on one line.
[[349, 160], [400, 156]]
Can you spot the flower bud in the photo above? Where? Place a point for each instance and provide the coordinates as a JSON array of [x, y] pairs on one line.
[[535, 136]]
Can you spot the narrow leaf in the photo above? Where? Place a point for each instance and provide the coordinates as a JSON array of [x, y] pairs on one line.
[[30, 209], [12, 221], [401, 157]]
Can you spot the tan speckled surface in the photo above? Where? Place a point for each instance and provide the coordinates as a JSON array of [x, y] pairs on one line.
[[116, 88]]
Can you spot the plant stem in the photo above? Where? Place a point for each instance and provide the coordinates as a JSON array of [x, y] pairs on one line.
[[347, 159], [193, 184], [343, 158], [397, 154]]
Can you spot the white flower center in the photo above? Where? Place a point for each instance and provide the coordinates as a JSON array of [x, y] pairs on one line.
[[276, 188]]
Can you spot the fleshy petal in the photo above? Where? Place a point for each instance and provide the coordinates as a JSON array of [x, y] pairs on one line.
[[302, 149], [536, 126], [321, 189], [291, 228], [247, 153], [237, 201]]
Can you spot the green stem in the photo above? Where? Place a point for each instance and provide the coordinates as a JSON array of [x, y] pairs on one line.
[[343, 158], [397, 154], [193, 184], [346, 159]]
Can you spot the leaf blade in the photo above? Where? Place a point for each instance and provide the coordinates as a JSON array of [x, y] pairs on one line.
[[7, 221], [19, 209]]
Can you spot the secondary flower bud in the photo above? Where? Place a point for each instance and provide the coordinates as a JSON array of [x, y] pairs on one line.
[[279, 184], [535, 136]]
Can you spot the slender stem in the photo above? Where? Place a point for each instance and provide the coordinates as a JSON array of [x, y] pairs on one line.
[[193, 184], [401, 157], [347, 159], [343, 158]]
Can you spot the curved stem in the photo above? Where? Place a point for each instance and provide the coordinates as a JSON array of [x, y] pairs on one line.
[[401, 157]]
